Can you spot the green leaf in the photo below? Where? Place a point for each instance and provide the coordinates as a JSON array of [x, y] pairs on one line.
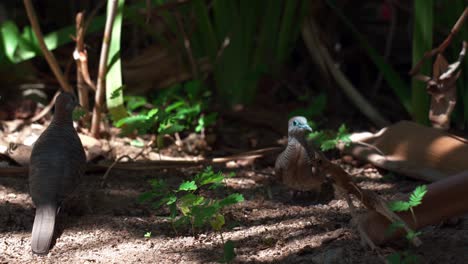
[[423, 16], [188, 186], [398, 206], [171, 199], [318, 136], [78, 113], [188, 201], [174, 106], [328, 144], [411, 235], [147, 235], [417, 195], [208, 177], [117, 92], [217, 222], [182, 221], [202, 213], [205, 121], [10, 36], [231, 199], [114, 84], [228, 251], [393, 227], [170, 128], [134, 102], [342, 130], [130, 120]]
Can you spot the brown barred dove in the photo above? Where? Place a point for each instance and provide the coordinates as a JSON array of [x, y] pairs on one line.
[[57, 162], [298, 165]]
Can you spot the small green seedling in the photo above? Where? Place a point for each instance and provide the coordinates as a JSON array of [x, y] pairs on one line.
[[328, 140], [188, 207], [415, 199]]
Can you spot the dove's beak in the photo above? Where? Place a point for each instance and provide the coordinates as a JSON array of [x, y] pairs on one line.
[[307, 127]]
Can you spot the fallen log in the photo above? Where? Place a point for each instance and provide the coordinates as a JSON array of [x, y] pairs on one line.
[[444, 199]]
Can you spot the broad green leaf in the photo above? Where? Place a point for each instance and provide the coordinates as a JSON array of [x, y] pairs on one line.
[[117, 92], [201, 214], [188, 186], [174, 106], [135, 102], [182, 221], [130, 120], [423, 16], [188, 201], [411, 235], [170, 128], [114, 85], [10, 36], [231, 199], [328, 144], [208, 177], [217, 222], [171, 199], [342, 130]]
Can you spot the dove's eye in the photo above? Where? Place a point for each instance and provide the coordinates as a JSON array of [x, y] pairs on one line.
[[295, 123]]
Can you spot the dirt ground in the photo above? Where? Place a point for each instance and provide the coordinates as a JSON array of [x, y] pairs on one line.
[[111, 228]]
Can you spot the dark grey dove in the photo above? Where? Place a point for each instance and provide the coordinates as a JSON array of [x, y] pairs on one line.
[[298, 165], [57, 162]]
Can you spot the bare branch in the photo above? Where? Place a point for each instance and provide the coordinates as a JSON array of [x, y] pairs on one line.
[[49, 56], [100, 89]]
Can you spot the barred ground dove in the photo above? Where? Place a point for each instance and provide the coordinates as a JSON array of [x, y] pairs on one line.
[[298, 165], [57, 162]]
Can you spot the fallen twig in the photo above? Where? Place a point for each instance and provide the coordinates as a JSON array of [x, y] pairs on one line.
[[104, 177], [160, 164]]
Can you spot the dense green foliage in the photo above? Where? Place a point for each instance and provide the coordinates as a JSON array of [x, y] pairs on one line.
[[180, 108], [189, 206]]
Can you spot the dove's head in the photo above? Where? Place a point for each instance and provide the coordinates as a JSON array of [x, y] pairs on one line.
[[297, 126], [65, 103]]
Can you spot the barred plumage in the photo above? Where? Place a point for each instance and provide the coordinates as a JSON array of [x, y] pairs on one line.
[[297, 166], [57, 162]]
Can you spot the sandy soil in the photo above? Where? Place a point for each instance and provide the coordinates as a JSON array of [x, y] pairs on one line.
[[111, 228]]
